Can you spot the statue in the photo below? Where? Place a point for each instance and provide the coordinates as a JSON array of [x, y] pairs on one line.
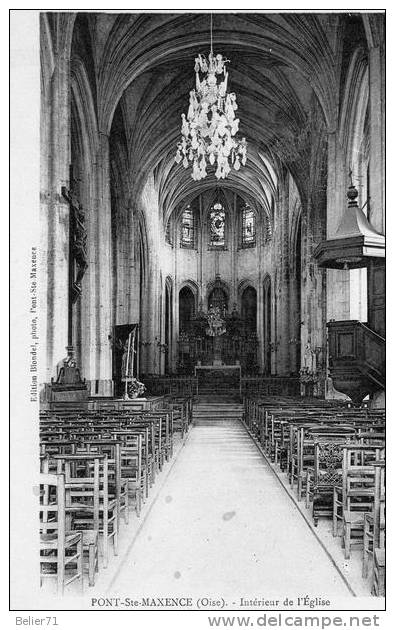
[[80, 243], [216, 325], [78, 236], [68, 374]]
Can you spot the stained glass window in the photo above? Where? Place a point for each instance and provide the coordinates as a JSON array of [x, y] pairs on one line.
[[188, 228], [217, 225], [248, 229]]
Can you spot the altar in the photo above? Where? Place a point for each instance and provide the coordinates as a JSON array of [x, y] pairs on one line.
[[218, 377], [218, 339]]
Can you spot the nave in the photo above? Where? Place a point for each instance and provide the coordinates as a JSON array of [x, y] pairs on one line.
[[251, 271], [215, 530]]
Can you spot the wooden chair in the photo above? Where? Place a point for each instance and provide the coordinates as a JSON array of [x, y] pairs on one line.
[[146, 430], [83, 510], [88, 500], [374, 523], [60, 550], [378, 587], [358, 499], [90, 545], [180, 414], [355, 457], [307, 436], [132, 471], [117, 485], [326, 474]]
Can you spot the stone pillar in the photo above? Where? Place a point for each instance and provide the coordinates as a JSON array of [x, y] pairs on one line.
[[259, 291], [234, 247], [100, 312], [176, 332], [149, 203], [313, 315], [336, 184], [294, 328], [376, 286], [130, 268], [376, 162], [282, 294], [54, 219], [144, 331], [152, 333], [338, 282]]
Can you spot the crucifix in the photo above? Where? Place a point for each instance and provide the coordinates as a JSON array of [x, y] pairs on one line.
[[77, 255]]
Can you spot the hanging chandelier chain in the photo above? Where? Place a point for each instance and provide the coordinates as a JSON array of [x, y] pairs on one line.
[[211, 33]]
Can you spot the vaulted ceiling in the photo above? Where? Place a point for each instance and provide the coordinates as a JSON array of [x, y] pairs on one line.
[[284, 68]]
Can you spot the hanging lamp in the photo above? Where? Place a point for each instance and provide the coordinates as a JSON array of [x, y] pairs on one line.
[[210, 127]]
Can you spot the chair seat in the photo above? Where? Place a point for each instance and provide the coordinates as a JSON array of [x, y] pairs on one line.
[[380, 557], [361, 492], [355, 518], [50, 541], [90, 536]]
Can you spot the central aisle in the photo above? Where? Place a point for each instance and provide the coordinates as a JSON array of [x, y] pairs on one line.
[[223, 526]]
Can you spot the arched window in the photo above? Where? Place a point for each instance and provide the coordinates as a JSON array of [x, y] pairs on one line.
[[217, 219], [188, 228], [248, 227]]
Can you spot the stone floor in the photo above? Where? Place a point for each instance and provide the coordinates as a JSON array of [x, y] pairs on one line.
[[222, 526]]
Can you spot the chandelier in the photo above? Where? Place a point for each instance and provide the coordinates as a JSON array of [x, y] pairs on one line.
[[209, 130]]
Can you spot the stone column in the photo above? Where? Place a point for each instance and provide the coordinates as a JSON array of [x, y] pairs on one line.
[[283, 282], [294, 329], [101, 276], [174, 300], [259, 291], [337, 282], [144, 332], [336, 184], [176, 333], [150, 210], [54, 219], [234, 246], [376, 162], [134, 270], [376, 186], [152, 332]]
